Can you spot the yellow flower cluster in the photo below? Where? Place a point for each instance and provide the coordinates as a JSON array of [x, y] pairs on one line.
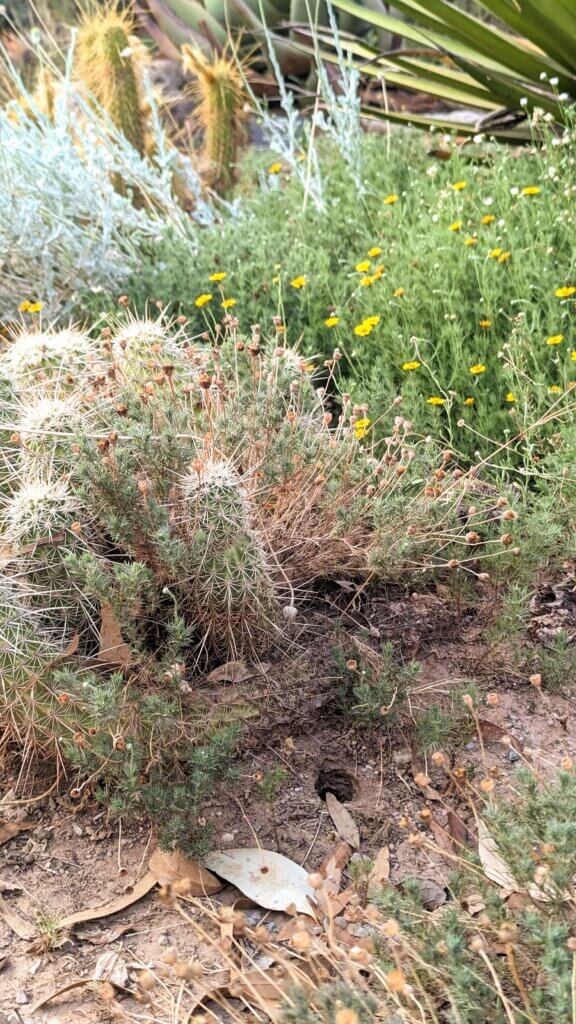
[[30, 307], [367, 326]]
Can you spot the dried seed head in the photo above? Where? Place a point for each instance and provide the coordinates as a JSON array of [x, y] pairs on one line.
[[535, 679], [396, 981]]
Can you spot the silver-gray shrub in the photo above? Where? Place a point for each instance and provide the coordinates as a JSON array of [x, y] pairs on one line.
[[64, 226]]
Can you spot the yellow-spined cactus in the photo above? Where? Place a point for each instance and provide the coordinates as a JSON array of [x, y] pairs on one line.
[[219, 95], [107, 65]]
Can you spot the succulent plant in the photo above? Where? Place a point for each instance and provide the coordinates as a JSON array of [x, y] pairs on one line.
[[207, 23], [106, 65]]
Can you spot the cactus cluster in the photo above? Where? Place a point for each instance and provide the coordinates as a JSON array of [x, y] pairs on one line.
[[193, 496]]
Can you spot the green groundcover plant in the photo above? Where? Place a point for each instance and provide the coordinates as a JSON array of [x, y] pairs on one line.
[[449, 280]]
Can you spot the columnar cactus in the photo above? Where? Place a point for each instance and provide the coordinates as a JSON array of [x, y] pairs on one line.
[[220, 101], [105, 63], [232, 593]]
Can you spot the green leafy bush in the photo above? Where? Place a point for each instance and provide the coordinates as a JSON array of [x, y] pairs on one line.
[[470, 283]]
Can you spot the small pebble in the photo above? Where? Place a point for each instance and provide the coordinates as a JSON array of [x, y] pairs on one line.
[[513, 755], [21, 998]]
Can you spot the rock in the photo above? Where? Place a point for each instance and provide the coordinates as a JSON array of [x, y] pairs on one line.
[[21, 998], [227, 837], [513, 755]]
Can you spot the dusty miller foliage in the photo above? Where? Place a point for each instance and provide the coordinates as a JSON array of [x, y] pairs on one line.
[[63, 223]]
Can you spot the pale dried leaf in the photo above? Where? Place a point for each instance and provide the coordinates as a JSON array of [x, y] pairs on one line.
[[495, 868], [270, 879], [259, 991], [442, 839], [230, 672], [24, 929], [173, 868], [336, 860], [110, 967], [146, 883], [380, 873], [9, 829], [344, 822], [113, 647], [457, 829]]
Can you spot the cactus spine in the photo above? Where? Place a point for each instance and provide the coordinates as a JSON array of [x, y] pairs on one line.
[[105, 63]]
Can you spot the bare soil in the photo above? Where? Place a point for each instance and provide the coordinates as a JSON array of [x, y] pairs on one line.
[[73, 858]]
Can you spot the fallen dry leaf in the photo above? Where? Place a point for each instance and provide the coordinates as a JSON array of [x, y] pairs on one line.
[[9, 829], [146, 883], [111, 967], [173, 867], [230, 672], [495, 868], [337, 859], [113, 647], [457, 829], [24, 929], [380, 873], [442, 839], [256, 988], [344, 822], [270, 879], [106, 938]]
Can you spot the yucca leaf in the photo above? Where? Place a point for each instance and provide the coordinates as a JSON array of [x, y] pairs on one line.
[[440, 16], [518, 133]]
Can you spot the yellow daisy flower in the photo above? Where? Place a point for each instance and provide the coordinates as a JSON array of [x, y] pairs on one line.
[[456, 225], [488, 218], [412, 365], [391, 199], [399, 293], [478, 368], [363, 267], [228, 303], [372, 320], [555, 389], [202, 300], [573, 355], [367, 281], [361, 428], [495, 253], [555, 339], [331, 321], [458, 186], [275, 168], [363, 329], [218, 276], [510, 397], [471, 241], [485, 324], [565, 293], [299, 282], [378, 271], [468, 401], [436, 400], [531, 190], [35, 307], [504, 257], [374, 251]]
